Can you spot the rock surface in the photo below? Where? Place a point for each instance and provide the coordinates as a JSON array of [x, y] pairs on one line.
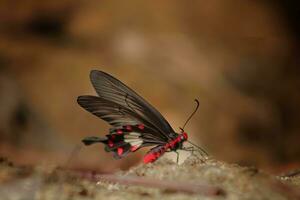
[[48, 182]]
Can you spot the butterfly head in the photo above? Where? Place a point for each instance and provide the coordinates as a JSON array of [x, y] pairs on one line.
[[183, 136]]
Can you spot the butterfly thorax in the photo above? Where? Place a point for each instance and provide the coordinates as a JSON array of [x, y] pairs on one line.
[[177, 142]]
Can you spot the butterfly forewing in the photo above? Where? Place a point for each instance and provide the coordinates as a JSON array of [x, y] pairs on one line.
[[114, 114], [117, 115], [111, 89]]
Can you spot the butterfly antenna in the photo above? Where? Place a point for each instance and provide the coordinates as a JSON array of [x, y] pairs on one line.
[[190, 117], [202, 150]]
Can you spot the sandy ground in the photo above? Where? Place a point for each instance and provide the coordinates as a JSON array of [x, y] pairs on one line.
[[164, 179]]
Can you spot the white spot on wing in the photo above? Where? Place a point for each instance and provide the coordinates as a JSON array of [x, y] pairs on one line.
[[134, 141], [135, 134], [132, 135], [137, 143]]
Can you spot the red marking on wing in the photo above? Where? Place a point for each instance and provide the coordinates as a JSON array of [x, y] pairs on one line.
[[134, 148], [110, 143], [120, 151], [141, 126], [128, 127], [119, 131]]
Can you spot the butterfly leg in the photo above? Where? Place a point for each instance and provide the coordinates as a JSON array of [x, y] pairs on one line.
[[177, 153], [192, 150], [177, 159]]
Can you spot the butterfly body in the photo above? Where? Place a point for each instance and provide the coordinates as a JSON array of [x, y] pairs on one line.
[[135, 123]]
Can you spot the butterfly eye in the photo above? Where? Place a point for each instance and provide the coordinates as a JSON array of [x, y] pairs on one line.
[[185, 136]]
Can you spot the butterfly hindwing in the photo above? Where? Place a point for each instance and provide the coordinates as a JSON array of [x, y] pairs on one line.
[[126, 139]]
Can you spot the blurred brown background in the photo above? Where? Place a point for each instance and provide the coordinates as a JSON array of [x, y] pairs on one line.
[[239, 58]]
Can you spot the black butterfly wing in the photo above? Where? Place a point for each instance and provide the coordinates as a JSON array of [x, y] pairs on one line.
[[113, 90], [135, 122], [117, 115], [129, 132]]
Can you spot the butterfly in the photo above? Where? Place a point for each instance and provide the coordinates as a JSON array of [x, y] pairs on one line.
[[134, 122]]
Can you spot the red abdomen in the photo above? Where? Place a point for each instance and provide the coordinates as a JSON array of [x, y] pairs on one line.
[[154, 154]]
